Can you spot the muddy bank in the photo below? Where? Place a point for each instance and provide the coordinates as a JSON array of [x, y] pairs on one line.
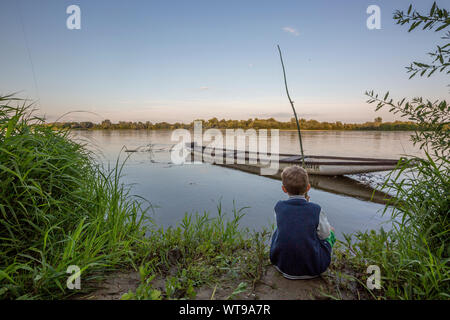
[[272, 286]]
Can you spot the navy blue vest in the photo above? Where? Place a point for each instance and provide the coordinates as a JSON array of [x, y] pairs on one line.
[[296, 248]]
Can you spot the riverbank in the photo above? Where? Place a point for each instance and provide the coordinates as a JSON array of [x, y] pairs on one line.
[[272, 286], [213, 259], [64, 218], [61, 212], [223, 129]]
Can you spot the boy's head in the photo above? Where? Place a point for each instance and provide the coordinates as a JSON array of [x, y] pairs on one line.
[[295, 180]]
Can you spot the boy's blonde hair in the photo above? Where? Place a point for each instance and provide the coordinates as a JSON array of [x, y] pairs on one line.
[[295, 180]]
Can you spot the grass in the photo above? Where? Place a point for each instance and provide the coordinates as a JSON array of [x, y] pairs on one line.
[[202, 251], [58, 208], [414, 256]]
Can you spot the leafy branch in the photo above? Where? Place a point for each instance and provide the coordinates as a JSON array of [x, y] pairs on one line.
[[437, 19], [433, 119]]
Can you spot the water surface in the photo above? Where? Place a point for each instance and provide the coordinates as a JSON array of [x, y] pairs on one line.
[[176, 189]]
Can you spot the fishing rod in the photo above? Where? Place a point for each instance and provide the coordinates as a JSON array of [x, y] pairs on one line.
[[293, 109]]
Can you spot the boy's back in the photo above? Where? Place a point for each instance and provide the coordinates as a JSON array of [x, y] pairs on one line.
[[301, 244], [296, 249]]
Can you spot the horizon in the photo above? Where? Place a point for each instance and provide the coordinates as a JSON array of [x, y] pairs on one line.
[[224, 119], [177, 61]]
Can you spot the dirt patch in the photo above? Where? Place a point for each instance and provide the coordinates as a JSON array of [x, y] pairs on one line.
[[272, 286], [114, 286]]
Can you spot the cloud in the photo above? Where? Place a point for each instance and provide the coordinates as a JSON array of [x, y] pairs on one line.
[[204, 88], [291, 30]]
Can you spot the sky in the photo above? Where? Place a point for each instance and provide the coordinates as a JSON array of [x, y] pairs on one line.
[[177, 61]]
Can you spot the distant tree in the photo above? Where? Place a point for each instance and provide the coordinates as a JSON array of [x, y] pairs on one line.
[[339, 125], [256, 123], [86, 125], [106, 124]]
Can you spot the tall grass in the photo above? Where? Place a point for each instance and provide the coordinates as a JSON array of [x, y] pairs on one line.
[[58, 207], [414, 257]]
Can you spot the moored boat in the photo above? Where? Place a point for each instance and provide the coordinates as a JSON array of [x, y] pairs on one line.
[[315, 165]]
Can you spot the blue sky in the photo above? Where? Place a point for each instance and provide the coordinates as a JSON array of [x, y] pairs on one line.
[[183, 60]]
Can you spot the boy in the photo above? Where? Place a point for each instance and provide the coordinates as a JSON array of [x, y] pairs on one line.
[[301, 244]]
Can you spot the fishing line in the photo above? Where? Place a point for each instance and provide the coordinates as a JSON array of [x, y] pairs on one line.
[[79, 111], [33, 69], [29, 53]]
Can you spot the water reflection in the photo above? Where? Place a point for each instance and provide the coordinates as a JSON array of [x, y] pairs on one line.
[[176, 189], [341, 185]]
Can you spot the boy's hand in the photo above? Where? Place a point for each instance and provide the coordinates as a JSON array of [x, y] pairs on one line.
[[307, 197]]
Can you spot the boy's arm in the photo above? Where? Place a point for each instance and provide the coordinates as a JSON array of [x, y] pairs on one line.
[[275, 219], [324, 228]]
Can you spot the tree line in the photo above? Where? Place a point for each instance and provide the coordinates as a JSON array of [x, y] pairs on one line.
[[254, 123]]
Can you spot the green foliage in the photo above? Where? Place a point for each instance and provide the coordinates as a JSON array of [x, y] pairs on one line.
[[414, 256], [57, 208], [255, 123], [432, 117], [242, 287], [410, 269], [143, 292], [433, 120], [437, 19], [421, 201], [201, 251]]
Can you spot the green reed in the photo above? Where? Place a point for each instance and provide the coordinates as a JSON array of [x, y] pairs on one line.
[[58, 207], [414, 256]]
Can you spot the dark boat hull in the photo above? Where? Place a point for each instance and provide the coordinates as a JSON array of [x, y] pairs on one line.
[[315, 165]]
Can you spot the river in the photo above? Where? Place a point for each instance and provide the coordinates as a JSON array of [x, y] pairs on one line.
[[174, 190]]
